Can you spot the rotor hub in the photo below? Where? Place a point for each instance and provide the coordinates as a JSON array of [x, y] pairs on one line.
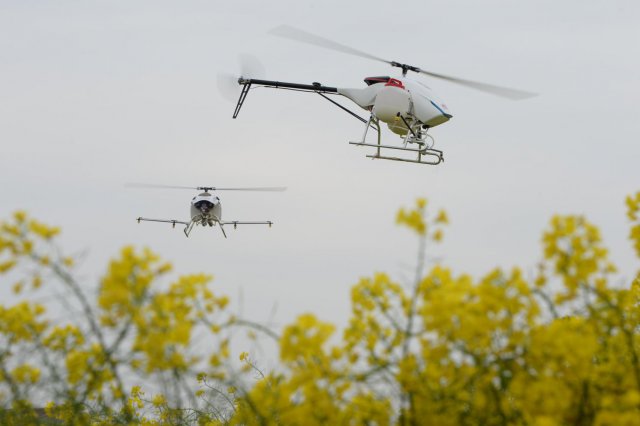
[[405, 67]]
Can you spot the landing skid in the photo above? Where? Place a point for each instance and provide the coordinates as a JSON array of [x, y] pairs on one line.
[[415, 135], [188, 228]]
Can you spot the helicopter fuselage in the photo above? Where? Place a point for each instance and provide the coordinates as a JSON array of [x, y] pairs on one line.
[[408, 107], [206, 209], [391, 98], [386, 98]]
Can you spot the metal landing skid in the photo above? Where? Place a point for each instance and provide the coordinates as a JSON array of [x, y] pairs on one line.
[[199, 220], [204, 221], [415, 135]]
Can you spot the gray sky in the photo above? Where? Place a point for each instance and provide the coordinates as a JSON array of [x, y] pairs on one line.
[[96, 94]]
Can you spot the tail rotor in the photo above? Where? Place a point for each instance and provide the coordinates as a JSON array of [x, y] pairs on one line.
[[248, 67]]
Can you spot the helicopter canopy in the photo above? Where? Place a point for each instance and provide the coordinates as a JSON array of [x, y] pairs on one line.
[[203, 203], [374, 80]]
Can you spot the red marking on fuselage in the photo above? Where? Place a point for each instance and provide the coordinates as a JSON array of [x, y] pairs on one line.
[[395, 83]]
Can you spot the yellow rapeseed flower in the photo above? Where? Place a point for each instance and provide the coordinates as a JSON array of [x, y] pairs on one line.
[[159, 400]]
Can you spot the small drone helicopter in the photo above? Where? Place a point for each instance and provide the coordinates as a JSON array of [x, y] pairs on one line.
[[206, 209], [407, 106]]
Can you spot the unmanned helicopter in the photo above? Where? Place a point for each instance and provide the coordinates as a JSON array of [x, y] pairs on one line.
[[408, 107], [206, 208]]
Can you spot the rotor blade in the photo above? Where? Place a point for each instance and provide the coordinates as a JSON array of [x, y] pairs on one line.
[[228, 86], [292, 33], [151, 185], [505, 92], [296, 34], [259, 188], [248, 67], [206, 188]]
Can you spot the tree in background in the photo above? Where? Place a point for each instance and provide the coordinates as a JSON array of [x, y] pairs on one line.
[[559, 348]]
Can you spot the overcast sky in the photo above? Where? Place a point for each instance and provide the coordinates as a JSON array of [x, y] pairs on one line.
[[94, 94]]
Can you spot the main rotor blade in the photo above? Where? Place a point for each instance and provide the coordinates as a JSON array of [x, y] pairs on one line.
[[151, 185], [296, 34], [292, 33], [207, 188], [259, 188], [505, 92]]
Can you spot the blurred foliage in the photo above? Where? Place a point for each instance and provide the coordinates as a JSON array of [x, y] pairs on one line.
[[558, 347]]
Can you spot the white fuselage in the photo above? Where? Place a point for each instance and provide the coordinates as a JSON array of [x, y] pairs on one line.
[[206, 209], [400, 96]]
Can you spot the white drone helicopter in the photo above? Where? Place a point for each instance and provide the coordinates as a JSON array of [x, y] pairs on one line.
[[206, 209], [407, 106]]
